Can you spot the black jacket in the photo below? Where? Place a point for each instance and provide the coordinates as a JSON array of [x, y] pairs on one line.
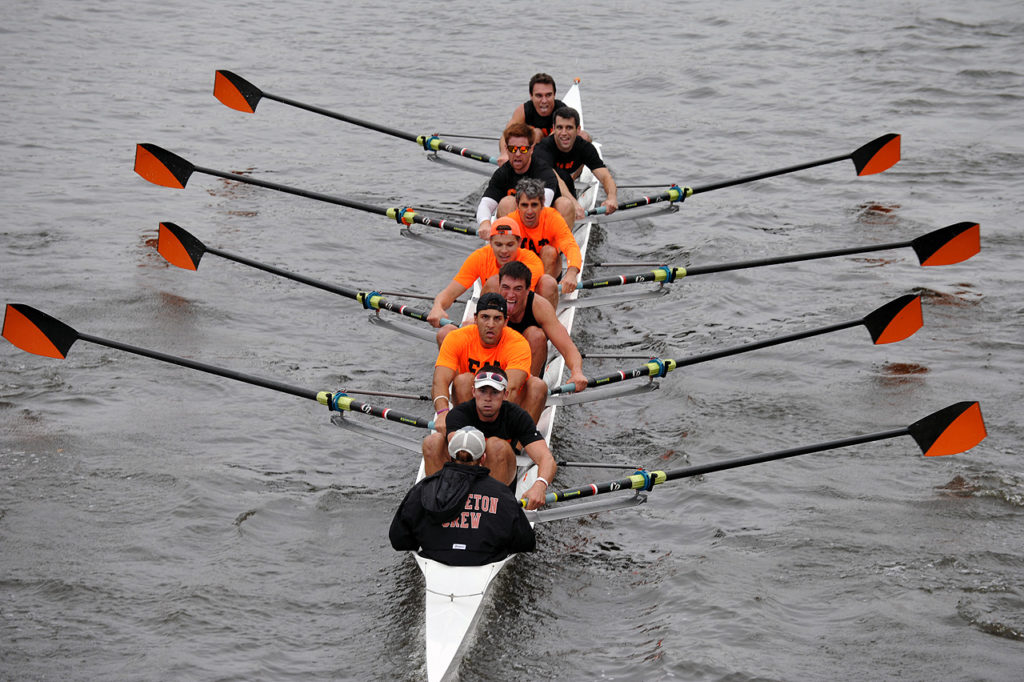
[[462, 517]]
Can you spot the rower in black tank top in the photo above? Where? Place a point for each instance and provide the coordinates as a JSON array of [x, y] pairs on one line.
[[545, 123], [528, 319]]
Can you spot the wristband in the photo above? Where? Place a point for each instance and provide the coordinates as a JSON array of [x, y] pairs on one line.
[[546, 484], [439, 397], [440, 412]]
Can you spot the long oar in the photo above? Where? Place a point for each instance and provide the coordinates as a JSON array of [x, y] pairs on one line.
[[36, 332], [165, 168], [952, 429], [945, 246], [180, 247], [236, 92], [874, 157], [894, 321]]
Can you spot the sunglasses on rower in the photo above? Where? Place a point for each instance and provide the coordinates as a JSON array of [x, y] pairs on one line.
[[519, 149]]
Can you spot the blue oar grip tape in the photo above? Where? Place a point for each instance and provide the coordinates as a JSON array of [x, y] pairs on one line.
[[428, 142], [334, 400], [662, 368], [367, 297], [648, 481], [670, 273]]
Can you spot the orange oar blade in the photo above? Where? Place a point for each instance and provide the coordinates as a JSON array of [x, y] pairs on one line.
[[896, 320], [878, 155], [236, 92], [36, 332], [179, 246], [162, 167], [948, 245], [951, 430]]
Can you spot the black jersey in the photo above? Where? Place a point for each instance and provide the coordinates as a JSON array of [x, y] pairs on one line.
[[582, 153], [528, 319], [513, 423], [504, 180], [545, 123]]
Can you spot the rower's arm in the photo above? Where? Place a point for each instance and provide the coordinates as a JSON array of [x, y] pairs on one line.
[[443, 301], [563, 189], [544, 313], [541, 455], [443, 377], [608, 183], [484, 210]]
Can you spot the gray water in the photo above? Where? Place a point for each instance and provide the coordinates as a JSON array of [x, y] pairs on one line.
[[158, 523]]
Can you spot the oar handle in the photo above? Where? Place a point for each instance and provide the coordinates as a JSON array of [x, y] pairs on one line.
[[674, 193], [338, 401], [656, 367]]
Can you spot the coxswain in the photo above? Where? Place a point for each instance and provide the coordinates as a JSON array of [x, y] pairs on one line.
[[461, 515]]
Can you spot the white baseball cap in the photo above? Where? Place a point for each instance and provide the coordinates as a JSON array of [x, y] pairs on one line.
[[470, 439]]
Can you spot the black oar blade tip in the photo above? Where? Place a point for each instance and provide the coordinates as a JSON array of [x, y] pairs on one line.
[[948, 245], [951, 430], [33, 331], [896, 320], [179, 247], [878, 155], [161, 167], [235, 92]]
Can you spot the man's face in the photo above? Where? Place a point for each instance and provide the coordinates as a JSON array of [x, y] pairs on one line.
[[543, 98], [490, 324], [520, 152], [529, 209], [514, 292], [505, 246], [488, 402], [565, 133]]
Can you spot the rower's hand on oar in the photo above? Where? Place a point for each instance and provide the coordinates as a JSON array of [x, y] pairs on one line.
[[484, 229], [502, 158], [581, 212], [535, 496], [610, 206], [436, 314], [569, 280], [579, 379]]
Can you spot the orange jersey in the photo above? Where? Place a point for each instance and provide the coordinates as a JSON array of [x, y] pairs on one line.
[[482, 265], [462, 351], [551, 229]]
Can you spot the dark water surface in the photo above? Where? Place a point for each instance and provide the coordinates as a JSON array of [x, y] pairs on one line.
[[157, 523]]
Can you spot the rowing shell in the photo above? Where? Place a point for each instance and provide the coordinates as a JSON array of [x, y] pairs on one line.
[[455, 594]]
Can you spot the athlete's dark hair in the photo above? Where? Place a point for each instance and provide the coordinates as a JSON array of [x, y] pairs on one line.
[[531, 188], [516, 270], [518, 130], [568, 112], [542, 78]]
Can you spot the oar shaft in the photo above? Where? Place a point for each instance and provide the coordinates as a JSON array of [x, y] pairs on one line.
[[757, 345], [402, 215], [333, 288], [795, 258], [369, 299], [658, 367], [428, 142], [342, 117], [671, 274], [767, 174], [203, 367], [651, 478]]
